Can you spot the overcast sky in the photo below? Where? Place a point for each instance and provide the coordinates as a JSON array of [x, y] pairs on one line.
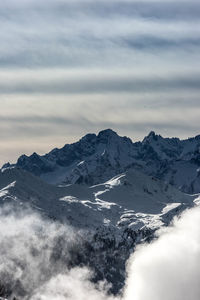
[[76, 66]]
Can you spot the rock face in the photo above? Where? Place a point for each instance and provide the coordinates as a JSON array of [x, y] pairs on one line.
[[96, 158]]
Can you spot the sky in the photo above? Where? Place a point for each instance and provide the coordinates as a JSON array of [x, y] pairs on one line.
[[69, 67]]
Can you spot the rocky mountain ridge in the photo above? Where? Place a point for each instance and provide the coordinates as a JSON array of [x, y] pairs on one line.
[[96, 158]]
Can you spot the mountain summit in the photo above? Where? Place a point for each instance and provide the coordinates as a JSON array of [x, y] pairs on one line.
[[96, 158]]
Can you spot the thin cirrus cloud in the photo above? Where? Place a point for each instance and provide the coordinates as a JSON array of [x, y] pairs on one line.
[[85, 33], [97, 83], [64, 64]]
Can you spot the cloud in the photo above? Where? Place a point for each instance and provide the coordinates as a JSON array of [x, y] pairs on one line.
[[28, 247], [88, 33], [94, 83], [35, 259], [75, 285], [169, 267]]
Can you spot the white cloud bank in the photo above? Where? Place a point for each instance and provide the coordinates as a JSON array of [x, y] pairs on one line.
[[166, 269], [35, 260], [74, 285]]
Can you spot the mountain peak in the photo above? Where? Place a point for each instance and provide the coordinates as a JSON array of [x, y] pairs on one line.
[[105, 135], [107, 132], [152, 136]]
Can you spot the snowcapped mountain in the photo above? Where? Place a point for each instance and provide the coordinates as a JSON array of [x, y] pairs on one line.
[[105, 153], [174, 161], [96, 158], [117, 191], [131, 198]]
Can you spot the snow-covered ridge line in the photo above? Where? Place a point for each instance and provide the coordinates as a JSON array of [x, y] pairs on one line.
[[97, 158]]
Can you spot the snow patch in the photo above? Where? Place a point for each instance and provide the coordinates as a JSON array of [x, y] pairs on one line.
[[169, 207]]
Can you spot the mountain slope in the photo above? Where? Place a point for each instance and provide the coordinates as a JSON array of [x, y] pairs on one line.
[[130, 193]]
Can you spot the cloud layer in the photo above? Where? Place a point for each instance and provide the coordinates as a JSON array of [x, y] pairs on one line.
[[35, 259], [168, 268]]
